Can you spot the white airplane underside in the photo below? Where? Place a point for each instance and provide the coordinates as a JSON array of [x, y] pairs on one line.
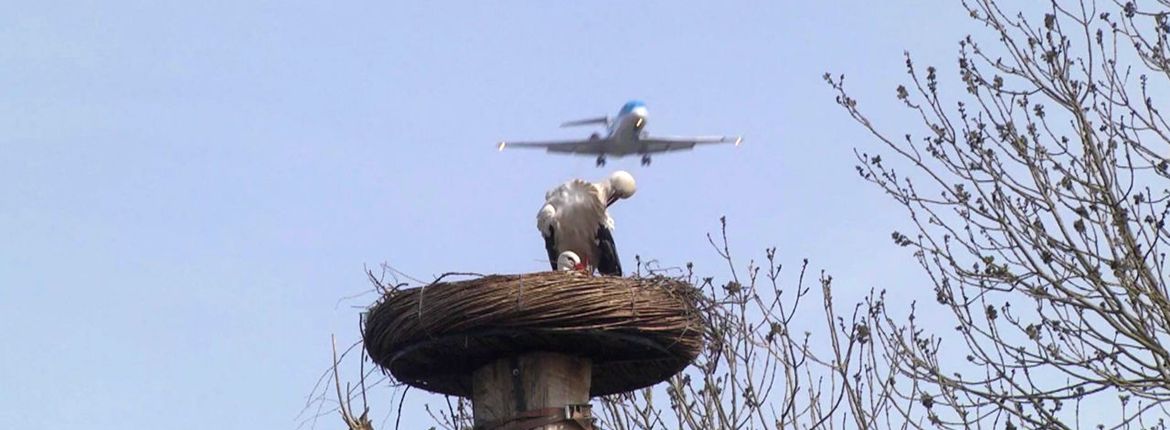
[[624, 136]]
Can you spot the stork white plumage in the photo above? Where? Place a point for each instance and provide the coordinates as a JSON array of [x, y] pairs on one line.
[[575, 220]]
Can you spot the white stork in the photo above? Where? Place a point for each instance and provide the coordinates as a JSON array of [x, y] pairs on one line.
[[575, 224]]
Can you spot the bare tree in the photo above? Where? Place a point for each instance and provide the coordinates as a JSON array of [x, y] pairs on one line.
[[767, 363], [1038, 198]]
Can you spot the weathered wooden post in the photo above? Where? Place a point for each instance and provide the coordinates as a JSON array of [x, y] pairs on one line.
[[530, 350], [532, 390]]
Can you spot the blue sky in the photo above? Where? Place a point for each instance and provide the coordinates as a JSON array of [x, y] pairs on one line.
[[188, 188]]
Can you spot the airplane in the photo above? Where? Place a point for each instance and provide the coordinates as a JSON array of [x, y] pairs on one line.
[[624, 136]]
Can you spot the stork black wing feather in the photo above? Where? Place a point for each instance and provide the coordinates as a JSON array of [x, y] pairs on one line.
[[607, 258]]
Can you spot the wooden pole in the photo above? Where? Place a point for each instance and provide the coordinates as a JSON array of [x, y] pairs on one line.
[[521, 389]]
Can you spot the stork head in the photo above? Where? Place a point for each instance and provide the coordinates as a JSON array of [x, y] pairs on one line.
[[620, 185], [567, 261]]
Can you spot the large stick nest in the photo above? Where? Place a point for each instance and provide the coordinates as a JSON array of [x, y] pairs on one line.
[[637, 331]]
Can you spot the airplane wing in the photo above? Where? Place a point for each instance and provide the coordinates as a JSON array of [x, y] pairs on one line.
[[664, 144], [582, 146]]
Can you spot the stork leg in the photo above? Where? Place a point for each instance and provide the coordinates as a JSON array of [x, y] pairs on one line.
[[607, 259]]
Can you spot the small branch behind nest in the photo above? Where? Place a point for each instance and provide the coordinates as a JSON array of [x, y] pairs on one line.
[[361, 422]]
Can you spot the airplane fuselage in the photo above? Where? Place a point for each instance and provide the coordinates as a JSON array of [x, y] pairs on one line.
[[624, 131]]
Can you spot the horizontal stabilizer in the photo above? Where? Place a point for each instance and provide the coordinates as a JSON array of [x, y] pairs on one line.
[[604, 120]]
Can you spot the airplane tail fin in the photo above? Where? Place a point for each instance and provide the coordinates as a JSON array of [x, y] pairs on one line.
[[603, 120]]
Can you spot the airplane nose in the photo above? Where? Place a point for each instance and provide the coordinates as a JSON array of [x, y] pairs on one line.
[[640, 117]]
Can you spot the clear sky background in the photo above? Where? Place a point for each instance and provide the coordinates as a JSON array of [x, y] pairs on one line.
[[188, 188]]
